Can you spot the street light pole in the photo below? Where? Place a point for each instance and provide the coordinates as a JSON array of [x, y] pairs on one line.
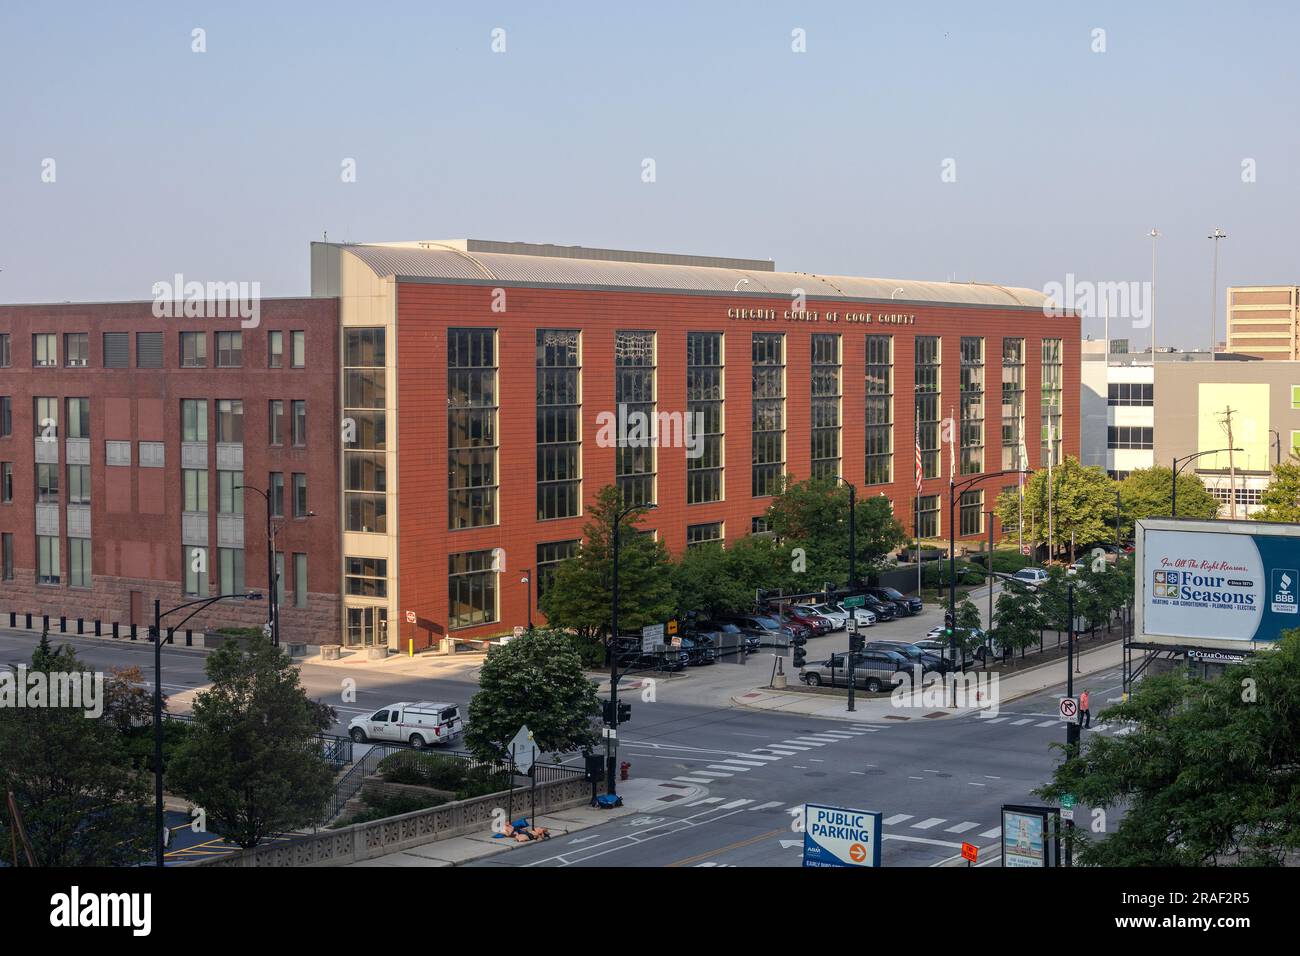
[[1178, 465], [272, 579], [611, 730], [157, 635], [528, 580], [1214, 289]]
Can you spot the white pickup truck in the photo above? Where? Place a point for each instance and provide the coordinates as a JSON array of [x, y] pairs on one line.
[[419, 724]]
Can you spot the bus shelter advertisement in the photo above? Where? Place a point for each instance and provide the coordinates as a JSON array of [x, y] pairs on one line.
[[1226, 584]]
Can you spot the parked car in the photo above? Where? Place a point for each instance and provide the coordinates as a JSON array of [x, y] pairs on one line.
[[768, 629], [833, 613], [802, 614], [632, 656], [908, 604], [873, 670], [915, 655], [736, 635], [1031, 577], [884, 611], [934, 642], [416, 723], [699, 649]]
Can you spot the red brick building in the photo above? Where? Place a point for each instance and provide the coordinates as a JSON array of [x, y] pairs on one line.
[[479, 379], [124, 438]]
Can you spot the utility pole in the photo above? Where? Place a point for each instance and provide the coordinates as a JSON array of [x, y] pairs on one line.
[[1226, 423], [1072, 728], [1154, 234], [991, 515]]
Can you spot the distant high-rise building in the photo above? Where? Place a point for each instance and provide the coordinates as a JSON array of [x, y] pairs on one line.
[[1264, 321]]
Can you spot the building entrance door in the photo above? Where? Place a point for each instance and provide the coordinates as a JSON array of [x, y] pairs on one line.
[[367, 626]]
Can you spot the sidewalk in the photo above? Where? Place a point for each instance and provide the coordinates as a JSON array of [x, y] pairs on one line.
[[420, 664], [878, 709], [639, 796]]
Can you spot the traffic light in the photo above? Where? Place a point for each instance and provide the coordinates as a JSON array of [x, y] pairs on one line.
[[624, 712], [949, 622], [857, 642], [800, 657]]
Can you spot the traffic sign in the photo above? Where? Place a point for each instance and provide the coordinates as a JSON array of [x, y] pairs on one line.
[[970, 852], [1024, 549], [523, 750], [519, 630], [672, 627], [1069, 708], [855, 600], [851, 624], [1067, 806], [410, 617], [677, 642], [652, 635]]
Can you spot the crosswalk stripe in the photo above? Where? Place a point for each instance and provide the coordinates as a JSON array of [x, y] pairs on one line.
[[896, 818], [710, 773], [837, 734], [693, 779], [724, 766], [733, 804], [824, 738], [959, 828], [696, 803], [927, 824], [1022, 722], [995, 832], [1048, 723], [759, 756], [995, 720], [790, 746], [744, 763], [808, 742], [767, 806]]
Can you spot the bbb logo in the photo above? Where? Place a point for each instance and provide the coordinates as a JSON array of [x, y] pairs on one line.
[[1286, 591]]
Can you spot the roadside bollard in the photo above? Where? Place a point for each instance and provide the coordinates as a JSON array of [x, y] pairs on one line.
[[623, 768]]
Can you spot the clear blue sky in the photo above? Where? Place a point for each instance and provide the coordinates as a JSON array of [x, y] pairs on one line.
[[224, 165]]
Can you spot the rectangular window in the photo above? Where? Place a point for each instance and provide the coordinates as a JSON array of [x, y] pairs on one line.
[[879, 411], [298, 344], [1124, 436], [1013, 403], [195, 559], [767, 426], [299, 579], [148, 350], [5, 357], [195, 485], [1124, 394], [153, 454], [45, 350], [230, 494], [47, 484], [194, 350], [6, 482], [972, 405], [550, 555], [79, 562], [194, 419], [1295, 443], [45, 419], [928, 366], [299, 423], [6, 416], [230, 570], [704, 396], [760, 525], [826, 397], [76, 349], [117, 454], [274, 349], [1050, 408], [78, 418], [972, 513], [7, 556], [277, 494], [700, 534], [299, 495], [78, 484], [471, 428], [230, 421], [929, 516], [117, 350], [275, 421], [364, 468], [471, 589], [635, 461], [1295, 396], [47, 560], [281, 587], [559, 423], [230, 349], [367, 577]]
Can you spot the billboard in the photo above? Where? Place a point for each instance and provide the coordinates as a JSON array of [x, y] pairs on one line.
[[1232, 585], [1029, 836]]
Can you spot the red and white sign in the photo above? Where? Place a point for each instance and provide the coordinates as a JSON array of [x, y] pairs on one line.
[[1069, 709], [1024, 549], [969, 851], [410, 617]]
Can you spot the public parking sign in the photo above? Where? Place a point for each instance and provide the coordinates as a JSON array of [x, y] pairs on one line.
[[835, 836], [1069, 708]]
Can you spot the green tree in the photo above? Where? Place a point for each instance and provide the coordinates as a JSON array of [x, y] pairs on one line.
[[580, 596], [1017, 618], [1147, 493], [1209, 776], [1083, 504], [1281, 499], [704, 581], [83, 801], [247, 759], [538, 680], [813, 515]]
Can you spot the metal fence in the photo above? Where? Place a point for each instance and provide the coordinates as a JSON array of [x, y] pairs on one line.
[[336, 751]]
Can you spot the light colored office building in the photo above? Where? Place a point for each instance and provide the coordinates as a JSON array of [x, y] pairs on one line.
[[1264, 321], [1116, 407]]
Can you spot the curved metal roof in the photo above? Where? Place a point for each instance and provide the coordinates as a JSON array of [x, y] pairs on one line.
[[447, 262]]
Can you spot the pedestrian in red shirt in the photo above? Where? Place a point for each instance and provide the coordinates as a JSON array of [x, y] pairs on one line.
[[1085, 715]]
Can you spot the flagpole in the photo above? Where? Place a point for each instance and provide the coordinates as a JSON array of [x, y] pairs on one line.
[[919, 473], [1051, 453]]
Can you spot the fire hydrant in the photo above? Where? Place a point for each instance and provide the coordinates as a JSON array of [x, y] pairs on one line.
[[623, 768]]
